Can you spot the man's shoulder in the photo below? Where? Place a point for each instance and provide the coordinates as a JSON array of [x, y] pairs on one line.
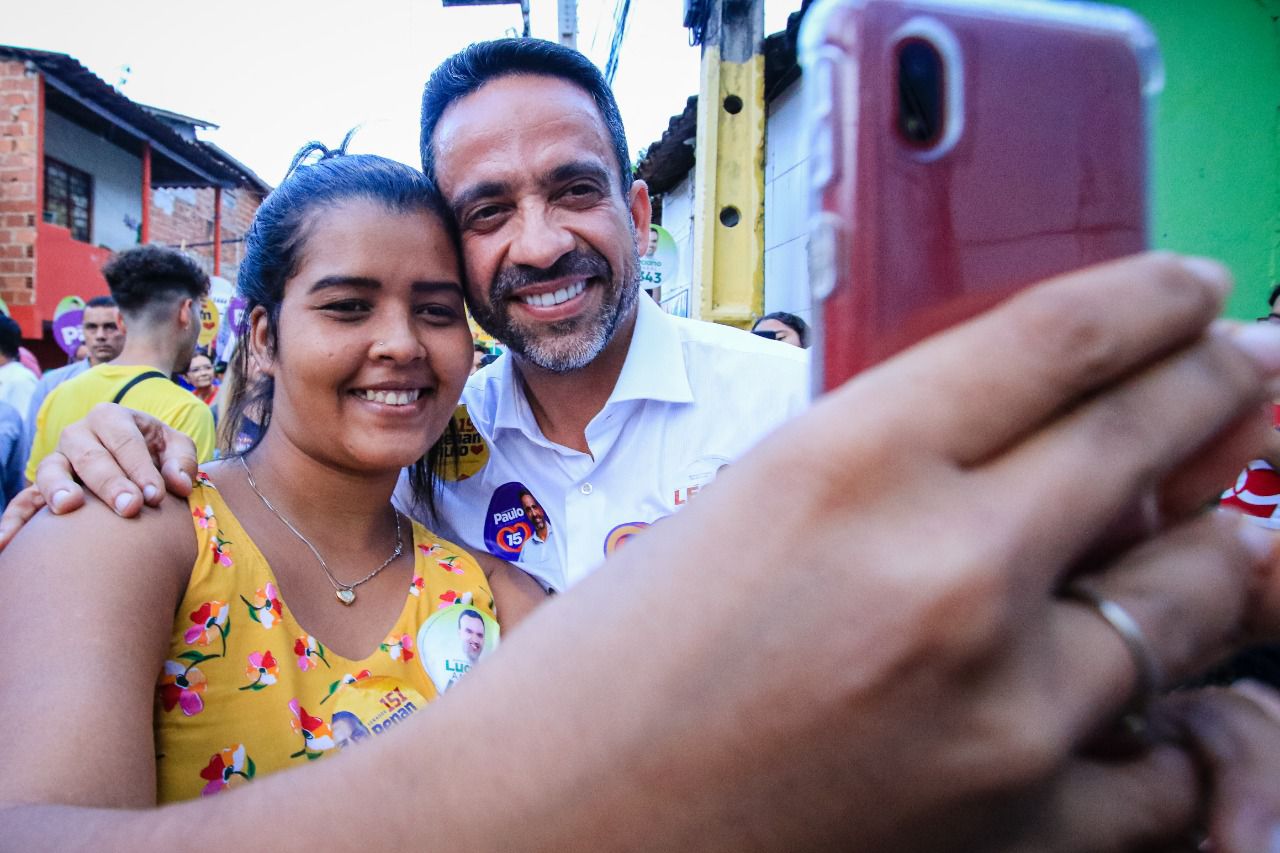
[[704, 336], [15, 373]]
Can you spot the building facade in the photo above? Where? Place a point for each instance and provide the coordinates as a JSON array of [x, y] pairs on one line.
[[85, 172]]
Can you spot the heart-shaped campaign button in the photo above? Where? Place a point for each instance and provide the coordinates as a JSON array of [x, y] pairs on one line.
[[512, 537]]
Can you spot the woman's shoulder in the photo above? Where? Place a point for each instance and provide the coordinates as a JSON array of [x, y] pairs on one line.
[[163, 532]]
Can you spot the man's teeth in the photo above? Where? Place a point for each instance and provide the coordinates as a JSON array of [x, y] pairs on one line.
[[546, 300], [391, 398]]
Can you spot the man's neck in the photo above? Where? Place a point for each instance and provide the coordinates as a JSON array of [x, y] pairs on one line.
[[139, 350], [563, 404]]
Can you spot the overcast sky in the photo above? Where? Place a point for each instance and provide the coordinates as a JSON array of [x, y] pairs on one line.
[[275, 74]]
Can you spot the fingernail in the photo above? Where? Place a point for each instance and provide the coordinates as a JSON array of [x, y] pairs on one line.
[[1261, 695], [1259, 541], [1209, 271], [59, 500], [124, 500], [186, 477], [149, 493], [1261, 342]]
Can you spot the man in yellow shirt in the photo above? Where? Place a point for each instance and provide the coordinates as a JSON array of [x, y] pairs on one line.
[[158, 292]]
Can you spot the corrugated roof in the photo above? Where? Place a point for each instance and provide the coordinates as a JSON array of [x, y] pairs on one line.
[[175, 161]]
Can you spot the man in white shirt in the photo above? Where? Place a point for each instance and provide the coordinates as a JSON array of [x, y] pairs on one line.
[[16, 382], [613, 413]]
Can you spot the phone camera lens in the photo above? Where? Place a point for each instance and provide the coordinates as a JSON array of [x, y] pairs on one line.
[[920, 107]]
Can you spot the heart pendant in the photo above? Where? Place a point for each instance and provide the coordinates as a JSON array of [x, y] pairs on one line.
[[346, 596]]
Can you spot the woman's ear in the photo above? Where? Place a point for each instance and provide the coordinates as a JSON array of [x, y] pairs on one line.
[[261, 341]]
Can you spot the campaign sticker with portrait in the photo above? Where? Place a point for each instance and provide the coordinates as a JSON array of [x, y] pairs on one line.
[[371, 706], [453, 640], [517, 528]]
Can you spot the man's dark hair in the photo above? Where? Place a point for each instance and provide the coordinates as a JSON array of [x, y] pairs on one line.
[[473, 66], [474, 614], [10, 337], [151, 275], [800, 327], [100, 302]]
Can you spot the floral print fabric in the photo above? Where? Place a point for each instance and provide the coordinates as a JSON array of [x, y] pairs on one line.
[[245, 690]]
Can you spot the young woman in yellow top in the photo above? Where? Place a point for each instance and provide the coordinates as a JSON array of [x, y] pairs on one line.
[[284, 610]]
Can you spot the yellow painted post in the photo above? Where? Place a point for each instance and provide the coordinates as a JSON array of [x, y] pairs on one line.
[[729, 166]]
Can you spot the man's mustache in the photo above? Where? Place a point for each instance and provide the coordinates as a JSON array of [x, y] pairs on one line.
[[575, 264]]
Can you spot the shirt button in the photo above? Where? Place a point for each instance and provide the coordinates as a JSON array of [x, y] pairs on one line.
[[585, 488]]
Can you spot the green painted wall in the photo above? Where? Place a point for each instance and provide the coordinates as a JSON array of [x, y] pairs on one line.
[[1217, 142]]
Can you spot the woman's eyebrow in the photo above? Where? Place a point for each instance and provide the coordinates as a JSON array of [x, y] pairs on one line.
[[356, 281]]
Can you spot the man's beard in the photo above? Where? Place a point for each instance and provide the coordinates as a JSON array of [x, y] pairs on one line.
[[573, 343]]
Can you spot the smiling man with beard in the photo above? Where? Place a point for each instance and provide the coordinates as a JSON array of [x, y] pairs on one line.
[[609, 410]]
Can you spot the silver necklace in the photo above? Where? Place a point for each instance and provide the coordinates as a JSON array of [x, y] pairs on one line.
[[346, 592]]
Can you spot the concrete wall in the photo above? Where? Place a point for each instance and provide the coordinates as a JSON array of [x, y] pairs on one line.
[[677, 217], [1217, 140], [786, 200], [117, 180]]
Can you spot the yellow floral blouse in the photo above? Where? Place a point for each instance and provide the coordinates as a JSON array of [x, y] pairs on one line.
[[247, 691]]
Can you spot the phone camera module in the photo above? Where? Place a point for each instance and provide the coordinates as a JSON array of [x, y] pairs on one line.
[[920, 88]]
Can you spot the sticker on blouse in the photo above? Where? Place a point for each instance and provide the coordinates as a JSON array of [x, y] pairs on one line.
[[465, 458], [620, 535], [517, 527], [371, 706], [453, 640]]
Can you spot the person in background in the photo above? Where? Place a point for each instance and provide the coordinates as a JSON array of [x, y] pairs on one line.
[[480, 353], [784, 327], [200, 376], [103, 333], [158, 291], [17, 383], [12, 453]]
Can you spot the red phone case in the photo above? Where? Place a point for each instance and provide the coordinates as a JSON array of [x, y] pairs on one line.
[[1042, 167]]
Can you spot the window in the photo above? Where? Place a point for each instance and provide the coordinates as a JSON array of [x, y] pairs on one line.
[[68, 198]]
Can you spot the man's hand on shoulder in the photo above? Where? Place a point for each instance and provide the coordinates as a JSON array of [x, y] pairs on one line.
[[125, 458]]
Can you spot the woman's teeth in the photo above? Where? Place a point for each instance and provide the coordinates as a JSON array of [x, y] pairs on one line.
[[546, 300], [390, 398]]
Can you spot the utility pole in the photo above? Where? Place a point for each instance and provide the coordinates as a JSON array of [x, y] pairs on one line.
[[568, 23], [729, 167]]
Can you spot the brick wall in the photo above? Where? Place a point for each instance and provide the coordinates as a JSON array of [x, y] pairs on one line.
[[184, 218], [19, 174]]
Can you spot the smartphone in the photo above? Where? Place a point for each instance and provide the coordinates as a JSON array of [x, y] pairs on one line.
[[960, 150]]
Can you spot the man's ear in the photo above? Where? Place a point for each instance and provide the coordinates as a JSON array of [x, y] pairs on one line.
[[185, 318], [641, 214], [261, 346]]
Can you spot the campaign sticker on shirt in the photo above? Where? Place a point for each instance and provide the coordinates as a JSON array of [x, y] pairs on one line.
[[620, 535], [468, 456], [453, 640], [696, 476], [517, 527], [371, 706]]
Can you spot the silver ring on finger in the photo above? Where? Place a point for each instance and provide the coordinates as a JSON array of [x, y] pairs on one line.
[[1150, 674]]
